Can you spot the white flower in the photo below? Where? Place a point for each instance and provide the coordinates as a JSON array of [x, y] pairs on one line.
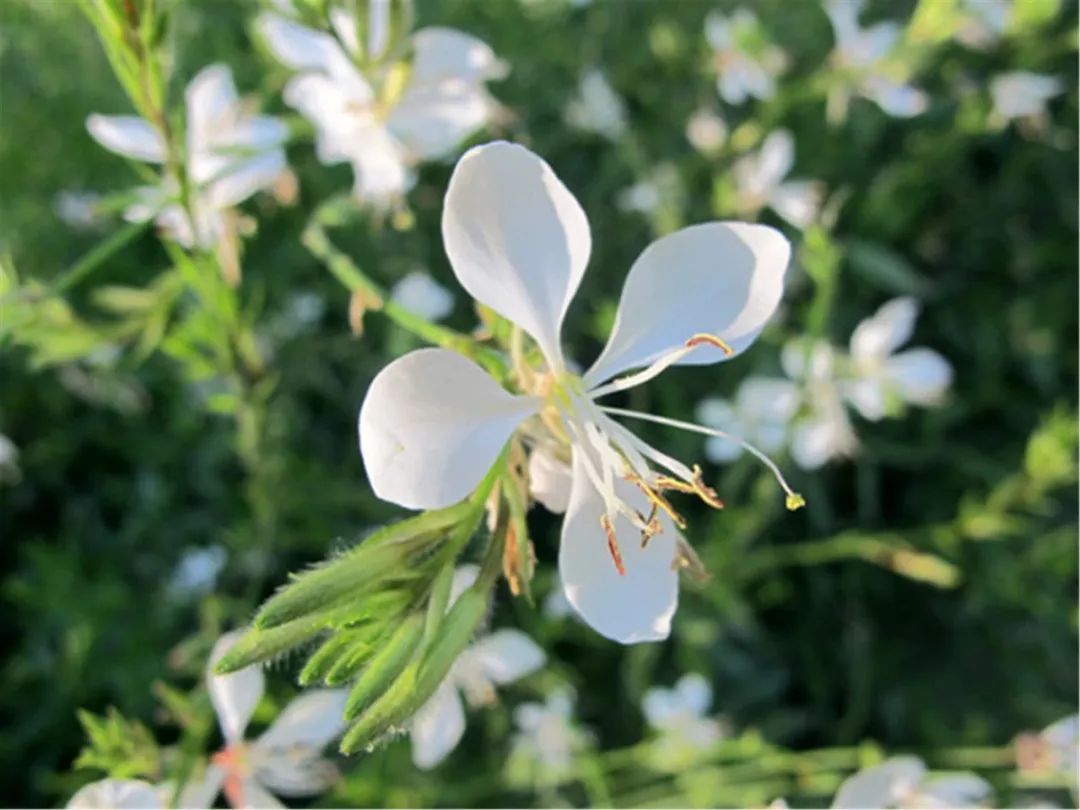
[[1063, 744], [761, 413], [420, 293], [661, 188], [597, 107], [864, 57], [881, 375], [373, 121], [197, 571], [823, 432], [1020, 94], [759, 178], [984, 22], [746, 62], [495, 660], [680, 715], [119, 794], [285, 759], [546, 737], [706, 130], [80, 210], [901, 782], [433, 423], [230, 154]]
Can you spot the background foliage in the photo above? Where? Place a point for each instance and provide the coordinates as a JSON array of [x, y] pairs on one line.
[[813, 631]]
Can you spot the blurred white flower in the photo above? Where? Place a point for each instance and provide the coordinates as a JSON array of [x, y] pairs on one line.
[[880, 375], [230, 155], [822, 431], [1020, 94], [286, 759], [759, 180], [494, 660], [1062, 740], [747, 64], [547, 739], [418, 292], [983, 22], [80, 210], [660, 187], [556, 605], [118, 794], [902, 782], [9, 461], [597, 107], [706, 131], [433, 423], [866, 63], [197, 571], [681, 716], [761, 413], [388, 119]]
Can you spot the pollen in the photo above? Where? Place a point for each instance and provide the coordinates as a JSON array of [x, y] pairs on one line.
[[613, 545], [705, 339]]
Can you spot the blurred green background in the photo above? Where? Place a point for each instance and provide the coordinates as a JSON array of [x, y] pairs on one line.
[[810, 634]]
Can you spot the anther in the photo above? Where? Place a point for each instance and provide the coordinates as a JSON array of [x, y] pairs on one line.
[[705, 339], [612, 544], [656, 499], [705, 492]]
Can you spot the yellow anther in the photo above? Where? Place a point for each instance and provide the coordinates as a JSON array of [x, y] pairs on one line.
[[794, 501], [612, 544], [657, 500], [704, 491], [705, 339]]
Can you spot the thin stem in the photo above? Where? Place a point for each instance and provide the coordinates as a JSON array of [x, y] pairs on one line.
[[97, 256]]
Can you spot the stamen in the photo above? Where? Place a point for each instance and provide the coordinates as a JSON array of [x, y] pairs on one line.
[[663, 363], [612, 544], [793, 501], [657, 500]]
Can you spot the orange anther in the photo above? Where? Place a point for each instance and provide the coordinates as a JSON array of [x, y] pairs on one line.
[[705, 339], [613, 545]]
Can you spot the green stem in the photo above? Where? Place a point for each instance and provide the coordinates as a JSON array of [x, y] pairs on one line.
[[97, 256]]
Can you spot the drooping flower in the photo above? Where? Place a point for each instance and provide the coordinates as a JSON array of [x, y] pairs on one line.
[[418, 292], [494, 660], [881, 376], [902, 782], [386, 118], [547, 739], [231, 154], [761, 412], [759, 178], [433, 422], [286, 759], [866, 63], [1021, 94], [747, 63], [680, 716], [597, 107], [120, 794]]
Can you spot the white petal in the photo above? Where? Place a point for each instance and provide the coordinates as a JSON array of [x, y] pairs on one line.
[[234, 696], [882, 785], [816, 441], [718, 31], [127, 135], [630, 608], [764, 399], [325, 103], [379, 164], [886, 330], [875, 43], [507, 655], [437, 727], [1020, 94], [431, 120], [957, 790], [464, 576], [549, 481], [296, 46], [921, 376], [119, 794], [246, 178], [444, 53], [897, 99], [517, 239], [211, 101], [419, 293], [775, 159], [797, 201], [844, 16], [721, 451], [731, 86], [200, 793], [659, 706], [255, 796], [720, 278], [311, 720], [431, 426], [869, 398], [695, 693], [344, 24], [293, 771]]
